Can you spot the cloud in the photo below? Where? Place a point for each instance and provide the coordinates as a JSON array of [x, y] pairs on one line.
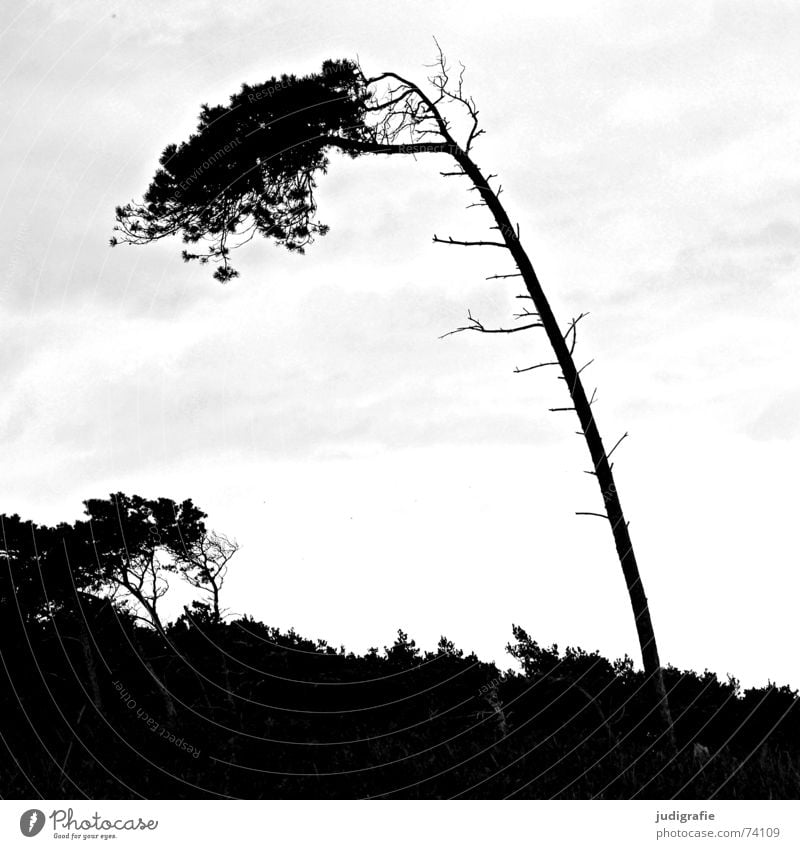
[[649, 155], [779, 420], [272, 374]]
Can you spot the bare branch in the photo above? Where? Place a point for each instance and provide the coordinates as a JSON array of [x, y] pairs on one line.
[[476, 325], [573, 330], [531, 368], [616, 444], [451, 241]]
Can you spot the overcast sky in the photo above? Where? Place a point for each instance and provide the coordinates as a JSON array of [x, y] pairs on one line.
[[376, 476]]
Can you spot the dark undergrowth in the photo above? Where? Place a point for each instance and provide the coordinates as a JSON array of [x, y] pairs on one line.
[[101, 699], [240, 709]]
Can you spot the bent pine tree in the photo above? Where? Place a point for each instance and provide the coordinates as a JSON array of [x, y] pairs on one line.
[[251, 167]]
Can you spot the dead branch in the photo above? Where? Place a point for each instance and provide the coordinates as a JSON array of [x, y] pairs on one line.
[[616, 444], [531, 368], [478, 326], [451, 241], [573, 330]]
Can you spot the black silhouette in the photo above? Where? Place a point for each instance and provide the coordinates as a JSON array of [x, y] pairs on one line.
[[257, 713], [138, 543], [250, 169]]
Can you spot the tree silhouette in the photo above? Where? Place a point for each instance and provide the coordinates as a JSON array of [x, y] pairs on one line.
[[49, 576], [36, 575], [236, 708], [138, 543], [250, 168], [203, 563]]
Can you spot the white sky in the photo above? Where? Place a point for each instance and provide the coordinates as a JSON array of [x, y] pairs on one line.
[[376, 476]]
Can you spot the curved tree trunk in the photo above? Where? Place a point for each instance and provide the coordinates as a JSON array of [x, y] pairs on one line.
[[600, 462], [571, 375], [406, 112]]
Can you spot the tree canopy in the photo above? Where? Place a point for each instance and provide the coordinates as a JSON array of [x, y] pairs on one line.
[[251, 166], [124, 551]]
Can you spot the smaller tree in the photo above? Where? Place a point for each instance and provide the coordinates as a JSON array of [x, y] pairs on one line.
[[137, 543], [203, 563]]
